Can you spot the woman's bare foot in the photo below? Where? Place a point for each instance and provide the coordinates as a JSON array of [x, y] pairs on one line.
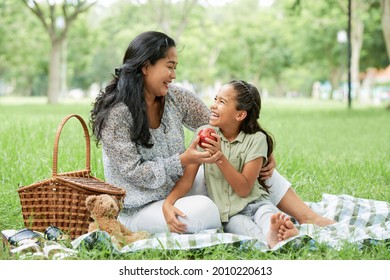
[[287, 230], [317, 220], [277, 220], [293, 205]]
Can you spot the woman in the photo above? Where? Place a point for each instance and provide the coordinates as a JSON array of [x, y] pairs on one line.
[[139, 119]]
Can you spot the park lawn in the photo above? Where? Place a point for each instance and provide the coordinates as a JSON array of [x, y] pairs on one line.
[[321, 147]]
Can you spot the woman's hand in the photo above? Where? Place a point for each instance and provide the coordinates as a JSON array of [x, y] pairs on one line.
[[192, 155], [266, 171], [170, 214]]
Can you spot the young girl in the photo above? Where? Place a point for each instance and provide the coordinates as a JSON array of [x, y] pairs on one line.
[[233, 183]]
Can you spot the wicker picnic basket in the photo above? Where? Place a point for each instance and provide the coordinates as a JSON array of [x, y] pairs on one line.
[[60, 200]]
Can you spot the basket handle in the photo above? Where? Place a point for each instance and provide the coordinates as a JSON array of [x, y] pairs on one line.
[[87, 143]]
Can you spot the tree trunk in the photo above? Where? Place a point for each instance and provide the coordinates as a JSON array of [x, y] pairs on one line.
[[54, 87], [357, 28], [385, 5], [335, 77], [64, 65], [279, 88]]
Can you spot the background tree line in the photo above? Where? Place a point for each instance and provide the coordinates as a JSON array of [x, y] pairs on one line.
[[49, 47]]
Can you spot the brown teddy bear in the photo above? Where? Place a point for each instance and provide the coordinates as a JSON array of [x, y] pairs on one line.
[[104, 210]]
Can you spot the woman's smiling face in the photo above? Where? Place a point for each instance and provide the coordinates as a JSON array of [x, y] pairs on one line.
[[157, 77]]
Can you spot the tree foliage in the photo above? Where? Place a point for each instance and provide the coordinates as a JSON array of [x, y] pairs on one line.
[[282, 48]]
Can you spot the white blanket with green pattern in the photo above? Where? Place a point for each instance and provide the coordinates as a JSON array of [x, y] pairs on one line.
[[357, 220]]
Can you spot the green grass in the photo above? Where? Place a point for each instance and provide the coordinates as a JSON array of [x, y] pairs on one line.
[[321, 147]]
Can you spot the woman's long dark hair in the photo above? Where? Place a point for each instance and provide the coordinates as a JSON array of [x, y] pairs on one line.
[[248, 99], [127, 85]]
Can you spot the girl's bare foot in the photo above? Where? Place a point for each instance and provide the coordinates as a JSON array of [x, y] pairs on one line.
[[287, 230], [277, 220]]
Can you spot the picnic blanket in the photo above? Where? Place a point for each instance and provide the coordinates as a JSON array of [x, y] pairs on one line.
[[357, 220]]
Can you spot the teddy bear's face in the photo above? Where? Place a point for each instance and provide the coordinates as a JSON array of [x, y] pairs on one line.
[[103, 206]]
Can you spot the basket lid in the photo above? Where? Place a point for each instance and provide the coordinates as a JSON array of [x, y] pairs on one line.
[[91, 184]]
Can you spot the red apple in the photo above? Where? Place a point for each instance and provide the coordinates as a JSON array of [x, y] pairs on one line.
[[206, 133]]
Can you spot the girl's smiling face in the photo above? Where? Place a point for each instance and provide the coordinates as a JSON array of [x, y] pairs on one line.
[[223, 111]]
